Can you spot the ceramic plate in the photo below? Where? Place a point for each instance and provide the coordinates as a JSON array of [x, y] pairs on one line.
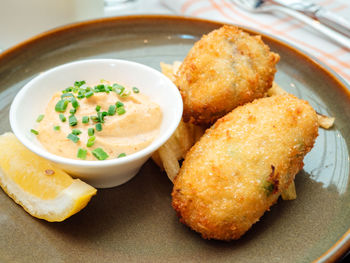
[[135, 222]]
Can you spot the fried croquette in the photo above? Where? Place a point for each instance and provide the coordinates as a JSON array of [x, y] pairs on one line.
[[239, 167], [223, 70]]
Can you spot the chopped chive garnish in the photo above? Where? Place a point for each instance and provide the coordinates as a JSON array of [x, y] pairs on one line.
[[91, 141], [74, 102], [121, 110], [268, 187], [116, 86], [73, 137], [73, 110], [40, 118], [62, 118], [56, 128], [112, 110], [85, 119], [100, 88], [119, 104], [119, 89], [121, 155], [61, 105], [100, 117], [80, 96], [135, 90], [98, 127], [79, 83], [34, 131], [100, 154], [91, 131], [67, 94], [76, 131], [82, 153], [94, 118], [98, 108], [72, 120], [125, 93], [89, 94]]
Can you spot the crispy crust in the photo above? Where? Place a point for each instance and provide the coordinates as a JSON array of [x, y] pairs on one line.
[[241, 165], [223, 70]]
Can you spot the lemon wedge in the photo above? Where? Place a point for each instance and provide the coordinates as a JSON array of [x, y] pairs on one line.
[[42, 189]]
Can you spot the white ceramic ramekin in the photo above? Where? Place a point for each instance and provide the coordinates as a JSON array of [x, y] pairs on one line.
[[33, 98]]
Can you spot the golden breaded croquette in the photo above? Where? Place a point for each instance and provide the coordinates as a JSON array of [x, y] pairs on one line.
[[223, 70], [239, 167]]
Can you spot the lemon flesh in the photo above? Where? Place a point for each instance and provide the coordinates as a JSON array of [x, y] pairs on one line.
[[42, 189]]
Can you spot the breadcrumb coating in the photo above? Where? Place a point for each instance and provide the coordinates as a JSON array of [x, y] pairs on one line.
[[242, 163], [223, 70]]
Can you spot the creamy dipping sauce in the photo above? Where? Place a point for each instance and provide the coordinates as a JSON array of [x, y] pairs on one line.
[[125, 128]]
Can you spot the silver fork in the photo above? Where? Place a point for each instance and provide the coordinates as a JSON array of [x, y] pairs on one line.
[[307, 7]]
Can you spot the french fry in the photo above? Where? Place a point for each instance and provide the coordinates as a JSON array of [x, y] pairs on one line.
[[169, 154], [169, 160], [275, 90], [325, 121], [198, 132], [184, 137], [289, 193], [167, 70], [156, 158], [174, 145], [170, 70]]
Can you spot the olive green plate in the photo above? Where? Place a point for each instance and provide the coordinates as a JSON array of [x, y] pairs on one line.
[[135, 222]]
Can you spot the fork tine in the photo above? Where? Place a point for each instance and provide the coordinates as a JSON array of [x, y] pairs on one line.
[[250, 5]]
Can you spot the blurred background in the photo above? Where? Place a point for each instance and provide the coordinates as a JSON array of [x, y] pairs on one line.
[[20, 20]]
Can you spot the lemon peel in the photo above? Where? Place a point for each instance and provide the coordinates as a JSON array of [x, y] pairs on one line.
[[42, 189]]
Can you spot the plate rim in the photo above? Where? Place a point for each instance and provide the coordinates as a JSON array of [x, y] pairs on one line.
[[338, 249]]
